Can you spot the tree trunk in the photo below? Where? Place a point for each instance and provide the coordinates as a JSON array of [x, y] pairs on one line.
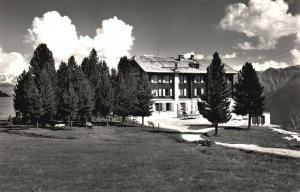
[[123, 119], [106, 120], [249, 121], [37, 124], [216, 128], [142, 121]]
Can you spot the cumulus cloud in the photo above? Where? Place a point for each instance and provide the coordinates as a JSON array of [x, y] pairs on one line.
[[198, 56], [111, 41], [296, 55], [12, 63], [265, 20], [265, 65], [229, 56]]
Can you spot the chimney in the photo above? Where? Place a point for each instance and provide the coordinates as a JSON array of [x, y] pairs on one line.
[[192, 57]]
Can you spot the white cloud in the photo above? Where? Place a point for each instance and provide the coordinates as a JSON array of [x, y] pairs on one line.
[[229, 56], [296, 55], [12, 63], [198, 56], [265, 65], [266, 20], [112, 41]]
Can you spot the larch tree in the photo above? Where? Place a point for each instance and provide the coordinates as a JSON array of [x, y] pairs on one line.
[[20, 102], [248, 94], [85, 95], [143, 106], [42, 67], [103, 97], [214, 103]]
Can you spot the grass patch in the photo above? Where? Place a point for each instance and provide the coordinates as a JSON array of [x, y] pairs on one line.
[[261, 136], [131, 159]]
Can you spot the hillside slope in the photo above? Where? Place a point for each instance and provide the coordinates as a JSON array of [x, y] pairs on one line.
[[282, 90]]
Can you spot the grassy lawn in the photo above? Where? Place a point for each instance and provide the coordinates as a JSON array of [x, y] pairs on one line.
[[261, 136], [130, 159]]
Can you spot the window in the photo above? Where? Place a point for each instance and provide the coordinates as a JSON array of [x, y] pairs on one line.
[[202, 80], [168, 106], [196, 92], [202, 91], [228, 79], [155, 92], [182, 106], [183, 92], [197, 79], [154, 78], [182, 79], [158, 107]]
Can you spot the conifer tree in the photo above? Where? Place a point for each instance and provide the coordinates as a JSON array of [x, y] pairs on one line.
[[103, 97], [20, 102], [43, 70], [214, 104], [68, 106], [34, 100], [70, 102], [248, 95], [90, 68], [85, 95], [144, 95], [124, 66], [126, 96]]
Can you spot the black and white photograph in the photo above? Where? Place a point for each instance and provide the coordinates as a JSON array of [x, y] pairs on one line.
[[149, 95]]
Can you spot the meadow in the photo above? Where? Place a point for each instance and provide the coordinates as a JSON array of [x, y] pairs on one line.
[[129, 158]]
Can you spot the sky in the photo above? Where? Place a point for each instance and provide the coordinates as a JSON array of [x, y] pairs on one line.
[[266, 33]]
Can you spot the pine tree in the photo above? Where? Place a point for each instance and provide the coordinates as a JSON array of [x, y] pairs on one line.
[[90, 68], [214, 104], [20, 103], [124, 66], [126, 96], [70, 102], [42, 67], [84, 94], [48, 96], [103, 97], [68, 106], [248, 93], [34, 101], [144, 95]]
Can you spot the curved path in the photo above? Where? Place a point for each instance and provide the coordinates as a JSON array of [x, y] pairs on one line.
[[169, 121], [256, 148]]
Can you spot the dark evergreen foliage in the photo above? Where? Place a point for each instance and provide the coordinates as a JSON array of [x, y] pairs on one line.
[[126, 95], [103, 97], [84, 94], [248, 95], [43, 70], [214, 104], [143, 106], [21, 102]]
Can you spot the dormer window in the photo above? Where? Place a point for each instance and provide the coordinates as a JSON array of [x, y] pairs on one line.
[[194, 65]]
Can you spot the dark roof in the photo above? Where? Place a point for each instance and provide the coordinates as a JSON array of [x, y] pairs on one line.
[[155, 64]]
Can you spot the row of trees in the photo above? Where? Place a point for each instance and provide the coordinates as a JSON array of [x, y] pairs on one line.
[[80, 92], [248, 94]]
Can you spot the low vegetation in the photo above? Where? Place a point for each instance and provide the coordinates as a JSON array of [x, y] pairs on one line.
[[128, 158]]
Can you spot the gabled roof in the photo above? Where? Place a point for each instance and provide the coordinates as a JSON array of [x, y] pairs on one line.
[[155, 64]]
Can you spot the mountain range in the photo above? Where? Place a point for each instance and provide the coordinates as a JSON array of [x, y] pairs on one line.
[[282, 91]]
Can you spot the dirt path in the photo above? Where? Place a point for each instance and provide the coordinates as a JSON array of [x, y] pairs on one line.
[[256, 148]]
